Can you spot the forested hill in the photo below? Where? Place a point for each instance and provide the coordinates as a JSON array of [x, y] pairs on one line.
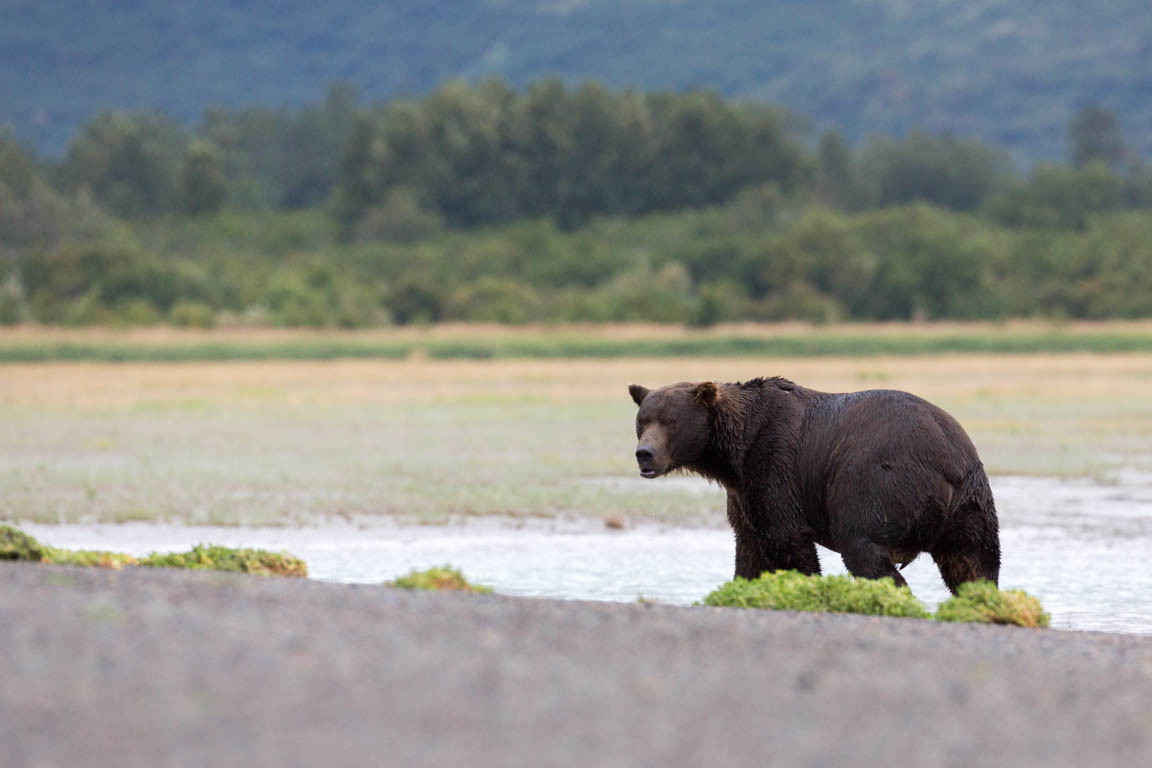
[[1011, 73]]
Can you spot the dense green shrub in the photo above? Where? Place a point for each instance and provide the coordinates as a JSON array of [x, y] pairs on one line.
[[419, 297], [1060, 198], [942, 170], [192, 314], [399, 219], [13, 307], [203, 187], [895, 264], [295, 301], [129, 162], [487, 153], [915, 262], [496, 300], [717, 302], [133, 312]]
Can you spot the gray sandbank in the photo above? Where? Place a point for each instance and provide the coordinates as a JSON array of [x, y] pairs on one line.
[[138, 668]]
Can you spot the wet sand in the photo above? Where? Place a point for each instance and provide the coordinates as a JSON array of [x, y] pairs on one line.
[[140, 668]]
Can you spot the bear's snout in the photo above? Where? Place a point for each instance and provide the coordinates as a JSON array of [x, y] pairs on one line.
[[646, 458]]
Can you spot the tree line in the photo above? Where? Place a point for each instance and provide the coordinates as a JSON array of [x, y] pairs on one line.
[[556, 203]]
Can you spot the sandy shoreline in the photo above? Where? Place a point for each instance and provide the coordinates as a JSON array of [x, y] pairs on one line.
[[171, 668]]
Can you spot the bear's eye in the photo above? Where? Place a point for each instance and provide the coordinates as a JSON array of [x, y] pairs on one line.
[[671, 424]]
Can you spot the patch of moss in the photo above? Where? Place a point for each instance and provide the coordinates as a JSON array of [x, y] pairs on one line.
[[217, 558], [794, 591], [17, 545], [444, 578], [982, 601]]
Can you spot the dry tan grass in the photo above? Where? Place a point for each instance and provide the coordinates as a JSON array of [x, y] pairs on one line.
[[32, 334], [1072, 379]]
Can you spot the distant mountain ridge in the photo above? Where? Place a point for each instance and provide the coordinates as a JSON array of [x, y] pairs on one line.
[[1011, 73]]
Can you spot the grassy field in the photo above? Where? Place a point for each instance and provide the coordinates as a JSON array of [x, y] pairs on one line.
[[426, 440], [478, 342]]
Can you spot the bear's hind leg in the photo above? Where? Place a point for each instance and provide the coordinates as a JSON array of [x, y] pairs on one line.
[[959, 567], [869, 560]]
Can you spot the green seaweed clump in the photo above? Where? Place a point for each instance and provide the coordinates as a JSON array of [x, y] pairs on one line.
[[444, 578], [216, 558], [794, 591], [17, 545], [87, 558], [982, 601]]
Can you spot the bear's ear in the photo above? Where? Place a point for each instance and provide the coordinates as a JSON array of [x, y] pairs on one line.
[[706, 392], [638, 393]]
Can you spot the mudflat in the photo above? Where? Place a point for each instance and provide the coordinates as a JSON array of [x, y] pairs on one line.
[[137, 668]]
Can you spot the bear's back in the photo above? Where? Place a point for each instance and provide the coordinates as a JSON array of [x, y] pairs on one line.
[[878, 423]]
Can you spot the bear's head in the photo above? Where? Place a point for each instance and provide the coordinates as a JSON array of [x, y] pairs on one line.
[[673, 425]]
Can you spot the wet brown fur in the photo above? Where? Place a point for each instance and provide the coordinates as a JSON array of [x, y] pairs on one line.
[[878, 476]]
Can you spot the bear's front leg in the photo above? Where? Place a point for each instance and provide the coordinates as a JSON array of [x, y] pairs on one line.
[[757, 552], [751, 559]]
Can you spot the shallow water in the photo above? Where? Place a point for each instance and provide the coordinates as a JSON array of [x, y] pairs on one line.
[[1084, 548]]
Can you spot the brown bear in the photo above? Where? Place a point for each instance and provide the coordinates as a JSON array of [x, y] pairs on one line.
[[878, 476]]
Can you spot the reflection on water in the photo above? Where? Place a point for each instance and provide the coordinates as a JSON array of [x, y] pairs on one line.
[[1083, 548]]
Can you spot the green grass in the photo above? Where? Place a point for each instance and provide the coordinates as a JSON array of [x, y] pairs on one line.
[[543, 345], [794, 591], [977, 602], [17, 545], [442, 579]]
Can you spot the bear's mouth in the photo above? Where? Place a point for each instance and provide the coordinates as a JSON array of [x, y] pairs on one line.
[[648, 473]]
